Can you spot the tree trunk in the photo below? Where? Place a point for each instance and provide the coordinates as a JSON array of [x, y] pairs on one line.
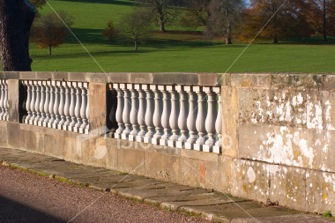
[[324, 25], [275, 39], [228, 36], [275, 24], [161, 25], [16, 18], [136, 45], [228, 40]]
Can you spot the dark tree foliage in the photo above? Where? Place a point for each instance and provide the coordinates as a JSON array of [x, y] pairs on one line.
[[16, 18], [38, 3], [283, 20], [321, 16]]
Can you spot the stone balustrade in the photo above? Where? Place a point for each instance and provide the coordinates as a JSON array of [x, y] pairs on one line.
[[3, 100], [258, 136], [60, 105], [186, 117]]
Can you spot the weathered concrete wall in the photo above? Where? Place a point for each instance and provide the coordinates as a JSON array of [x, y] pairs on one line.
[[278, 137], [282, 134]]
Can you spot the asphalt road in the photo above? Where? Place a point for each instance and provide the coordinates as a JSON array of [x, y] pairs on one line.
[[25, 197]]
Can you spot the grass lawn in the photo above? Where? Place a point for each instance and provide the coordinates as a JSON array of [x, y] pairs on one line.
[[170, 52]]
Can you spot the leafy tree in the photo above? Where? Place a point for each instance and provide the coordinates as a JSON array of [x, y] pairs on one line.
[[321, 16], [50, 30], [110, 31], [136, 26], [281, 20], [16, 18]]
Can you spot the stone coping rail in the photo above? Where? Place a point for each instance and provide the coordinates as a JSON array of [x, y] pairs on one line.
[[244, 80]]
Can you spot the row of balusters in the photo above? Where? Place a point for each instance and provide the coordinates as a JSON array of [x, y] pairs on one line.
[[57, 104], [3, 100], [186, 117]]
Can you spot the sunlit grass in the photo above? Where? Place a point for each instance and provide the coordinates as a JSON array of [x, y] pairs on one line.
[[168, 52]]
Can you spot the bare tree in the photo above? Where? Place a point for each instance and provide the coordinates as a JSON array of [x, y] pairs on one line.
[[199, 9], [224, 15], [161, 9], [16, 18], [136, 26], [50, 30]]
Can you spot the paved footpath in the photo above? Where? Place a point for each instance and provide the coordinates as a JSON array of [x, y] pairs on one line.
[[209, 205]]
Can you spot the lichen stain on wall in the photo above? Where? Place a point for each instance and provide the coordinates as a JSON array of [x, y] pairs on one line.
[[280, 107], [328, 189], [302, 120], [296, 109], [286, 147]]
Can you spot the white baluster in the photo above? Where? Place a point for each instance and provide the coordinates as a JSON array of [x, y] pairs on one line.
[[51, 104], [32, 103], [6, 102], [182, 118], [67, 87], [78, 107], [141, 113], [46, 104], [191, 118], [87, 111], [2, 99], [119, 110], [200, 122], [27, 102], [37, 102], [150, 105], [210, 119], [173, 120], [61, 105], [83, 108], [41, 105], [133, 112], [218, 122], [165, 115], [56, 105], [157, 115], [72, 106], [126, 111]]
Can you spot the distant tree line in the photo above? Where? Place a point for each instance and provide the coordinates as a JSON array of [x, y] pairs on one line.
[[294, 19], [230, 19], [282, 19]]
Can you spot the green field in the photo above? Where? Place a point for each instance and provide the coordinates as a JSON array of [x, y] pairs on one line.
[[171, 52]]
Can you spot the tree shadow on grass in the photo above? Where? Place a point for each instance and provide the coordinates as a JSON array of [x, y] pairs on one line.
[[66, 55], [93, 36], [115, 2]]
